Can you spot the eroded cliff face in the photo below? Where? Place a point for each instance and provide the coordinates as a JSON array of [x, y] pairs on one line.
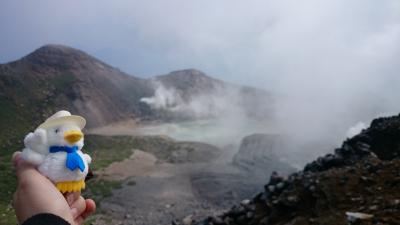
[[358, 183]]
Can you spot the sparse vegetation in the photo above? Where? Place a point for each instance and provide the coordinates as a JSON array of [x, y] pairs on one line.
[[106, 150], [99, 189], [7, 177], [116, 148]]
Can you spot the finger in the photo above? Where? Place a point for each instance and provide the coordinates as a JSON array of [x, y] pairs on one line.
[[78, 207], [71, 197], [79, 220], [90, 208], [16, 158]]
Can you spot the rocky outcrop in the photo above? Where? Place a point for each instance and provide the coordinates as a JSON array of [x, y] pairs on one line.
[[261, 154], [258, 156], [357, 184], [381, 139]]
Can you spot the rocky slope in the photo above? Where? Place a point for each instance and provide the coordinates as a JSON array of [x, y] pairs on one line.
[[257, 152], [357, 184], [58, 77]]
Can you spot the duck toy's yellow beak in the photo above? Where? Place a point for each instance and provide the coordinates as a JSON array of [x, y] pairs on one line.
[[73, 136]]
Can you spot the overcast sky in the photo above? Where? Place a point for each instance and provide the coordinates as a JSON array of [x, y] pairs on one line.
[[338, 56], [239, 41]]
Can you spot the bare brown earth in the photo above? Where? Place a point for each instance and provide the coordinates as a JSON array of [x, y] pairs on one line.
[[156, 191], [153, 192], [138, 164], [192, 182]]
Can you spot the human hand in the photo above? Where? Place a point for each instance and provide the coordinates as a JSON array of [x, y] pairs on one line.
[[36, 194], [81, 208]]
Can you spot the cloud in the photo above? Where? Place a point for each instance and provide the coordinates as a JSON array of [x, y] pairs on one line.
[[330, 63]]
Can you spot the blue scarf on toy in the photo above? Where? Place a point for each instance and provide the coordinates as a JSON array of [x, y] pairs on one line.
[[74, 160]]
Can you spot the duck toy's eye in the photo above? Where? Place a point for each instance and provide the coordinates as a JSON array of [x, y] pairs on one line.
[[56, 131]]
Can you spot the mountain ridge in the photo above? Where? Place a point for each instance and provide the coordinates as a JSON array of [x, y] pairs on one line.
[[55, 77]]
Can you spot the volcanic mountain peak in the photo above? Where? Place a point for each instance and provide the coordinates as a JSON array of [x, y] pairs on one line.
[[62, 57], [51, 49], [189, 78], [187, 74], [56, 77]]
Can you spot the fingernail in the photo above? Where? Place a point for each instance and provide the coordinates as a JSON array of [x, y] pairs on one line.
[[74, 212]]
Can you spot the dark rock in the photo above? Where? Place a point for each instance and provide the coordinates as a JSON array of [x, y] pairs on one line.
[[250, 215], [217, 220], [280, 185]]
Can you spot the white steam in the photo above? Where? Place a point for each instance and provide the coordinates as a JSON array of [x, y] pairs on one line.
[[223, 102], [356, 129], [163, 99]]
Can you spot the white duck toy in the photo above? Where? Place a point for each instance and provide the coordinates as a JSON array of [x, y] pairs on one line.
[[55, 149]]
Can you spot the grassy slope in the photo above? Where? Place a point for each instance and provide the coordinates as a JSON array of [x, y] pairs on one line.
[[12, 131], [103, 151], [20, 111]]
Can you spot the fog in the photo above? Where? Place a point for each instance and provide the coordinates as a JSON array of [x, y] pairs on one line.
[[330, 65]]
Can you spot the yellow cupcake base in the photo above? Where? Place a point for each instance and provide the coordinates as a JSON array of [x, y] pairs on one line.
[[70, 186]]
